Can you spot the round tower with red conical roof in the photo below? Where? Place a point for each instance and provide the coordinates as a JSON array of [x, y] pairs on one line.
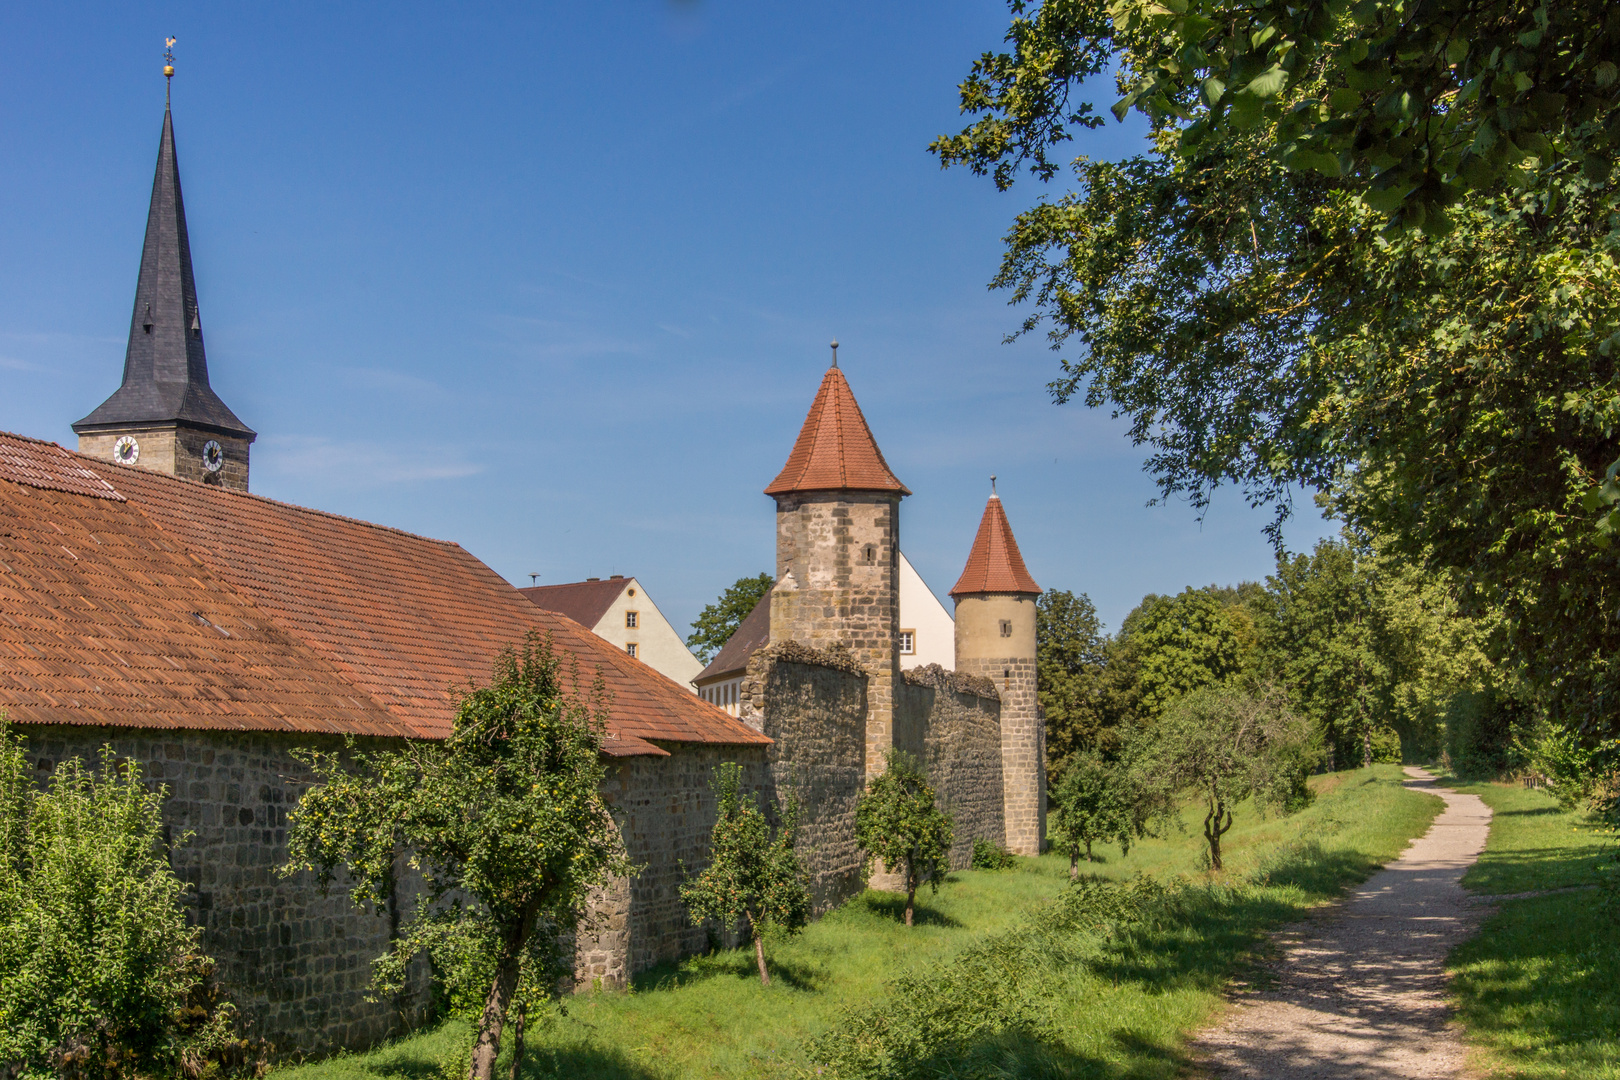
[[995, 638], [837, 549]]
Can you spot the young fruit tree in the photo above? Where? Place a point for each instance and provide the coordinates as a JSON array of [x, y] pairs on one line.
[[99, 973], [505, 819], [897, 822], [1223, 746], [752, 874], [1096, 801]]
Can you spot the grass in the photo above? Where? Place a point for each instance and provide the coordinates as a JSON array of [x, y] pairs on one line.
[[1538, 990], [1123, 1012]]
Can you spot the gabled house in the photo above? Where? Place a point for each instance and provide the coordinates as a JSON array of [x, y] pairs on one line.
[[619, 611]]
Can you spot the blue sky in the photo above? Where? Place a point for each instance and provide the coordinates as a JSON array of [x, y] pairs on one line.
[[556, 281]]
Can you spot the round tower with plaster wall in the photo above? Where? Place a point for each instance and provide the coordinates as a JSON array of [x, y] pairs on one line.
[[995, 638]]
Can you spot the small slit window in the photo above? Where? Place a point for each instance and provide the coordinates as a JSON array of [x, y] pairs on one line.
[[1006, 628], [869, 554]]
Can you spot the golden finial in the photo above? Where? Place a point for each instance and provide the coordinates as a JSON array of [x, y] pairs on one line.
[[168, 58]]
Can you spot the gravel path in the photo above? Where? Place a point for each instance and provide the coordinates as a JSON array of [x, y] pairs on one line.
[[1360, 991]]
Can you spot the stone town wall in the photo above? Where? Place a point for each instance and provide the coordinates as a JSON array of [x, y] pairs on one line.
[[666, 808], [951, 723], [813, 703], [296, 963]]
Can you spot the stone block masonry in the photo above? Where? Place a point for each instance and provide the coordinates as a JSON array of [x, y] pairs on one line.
[[837, 571], [296, 962], [813, 703], [952, 723], [177, 451]]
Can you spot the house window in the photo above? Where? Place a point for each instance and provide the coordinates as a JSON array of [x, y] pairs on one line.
[[632, 619], [908, 642], [1006, 628], [631, 648]]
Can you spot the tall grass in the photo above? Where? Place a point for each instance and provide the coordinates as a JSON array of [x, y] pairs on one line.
[[1115, 1000], [1538, 989]]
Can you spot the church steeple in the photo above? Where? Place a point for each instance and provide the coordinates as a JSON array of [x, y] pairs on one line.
[[165, 416]]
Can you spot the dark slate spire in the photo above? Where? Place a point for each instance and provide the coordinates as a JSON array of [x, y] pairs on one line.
[[165, 370]]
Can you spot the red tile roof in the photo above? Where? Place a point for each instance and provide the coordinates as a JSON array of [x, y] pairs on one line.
[[753, 633], [583, 601], [994, 565], [192, 606], [835, 450]]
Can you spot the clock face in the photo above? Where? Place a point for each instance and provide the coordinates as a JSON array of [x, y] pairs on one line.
[[213, 456], [126, 451]]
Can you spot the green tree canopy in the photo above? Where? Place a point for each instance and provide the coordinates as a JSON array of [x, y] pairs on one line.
[[1453, 392], [897, 822], [1096, 801], [1221, 746], [718, 621], [505, 818], [1070, 660], [1178, 644], [752, 874]]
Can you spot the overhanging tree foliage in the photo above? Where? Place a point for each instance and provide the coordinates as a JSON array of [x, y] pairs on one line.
[[752, 875], [718, 621], [506, 814], [1454, 391], [897, 822]]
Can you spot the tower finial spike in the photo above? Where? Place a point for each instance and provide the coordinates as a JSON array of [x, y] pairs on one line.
[[993, 486], [835, 352], [168, 67]]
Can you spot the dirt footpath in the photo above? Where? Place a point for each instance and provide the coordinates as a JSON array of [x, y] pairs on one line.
[[1360, 992]]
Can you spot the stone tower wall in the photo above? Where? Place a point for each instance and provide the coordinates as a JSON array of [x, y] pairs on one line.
[[951, 723], [176, 451], [837, 571], [995, 639]]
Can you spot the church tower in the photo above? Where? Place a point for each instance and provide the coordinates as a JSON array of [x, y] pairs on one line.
[[995, 638], [165, 416], [837, 549]]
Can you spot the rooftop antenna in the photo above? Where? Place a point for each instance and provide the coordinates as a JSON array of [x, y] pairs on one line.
[[534, 579], [168, 68], [993, 494], [835, 352]]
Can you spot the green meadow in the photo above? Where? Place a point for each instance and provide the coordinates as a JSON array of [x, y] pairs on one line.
[[1122, 1004]]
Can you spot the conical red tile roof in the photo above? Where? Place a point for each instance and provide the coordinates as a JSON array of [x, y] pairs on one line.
[[835, 450], [994, 565]]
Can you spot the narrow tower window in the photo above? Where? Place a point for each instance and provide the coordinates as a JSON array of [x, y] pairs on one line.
[[870, 554], [1006, 628]]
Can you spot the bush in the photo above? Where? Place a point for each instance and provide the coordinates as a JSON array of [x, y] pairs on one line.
[[99, 974], [988, 855]]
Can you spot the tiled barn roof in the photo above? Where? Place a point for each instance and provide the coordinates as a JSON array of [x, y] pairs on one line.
[[994, 565], [835, 450], [192, 606]]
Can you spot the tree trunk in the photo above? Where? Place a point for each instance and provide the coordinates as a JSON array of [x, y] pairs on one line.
[[1366, 747], [1074, 863], [911, 891], [507, 969], [1088, 852], [759, 954], [1214, 830], [517, 1040]]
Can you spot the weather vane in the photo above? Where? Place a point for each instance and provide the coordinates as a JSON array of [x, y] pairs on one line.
[[168, 67]]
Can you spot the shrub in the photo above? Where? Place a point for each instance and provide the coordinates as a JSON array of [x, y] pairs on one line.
[[988, 855], [99, 974]]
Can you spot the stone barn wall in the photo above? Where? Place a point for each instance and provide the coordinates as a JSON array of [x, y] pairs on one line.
[[951, 723], [813, 703], [666, 808], [296, 963]]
